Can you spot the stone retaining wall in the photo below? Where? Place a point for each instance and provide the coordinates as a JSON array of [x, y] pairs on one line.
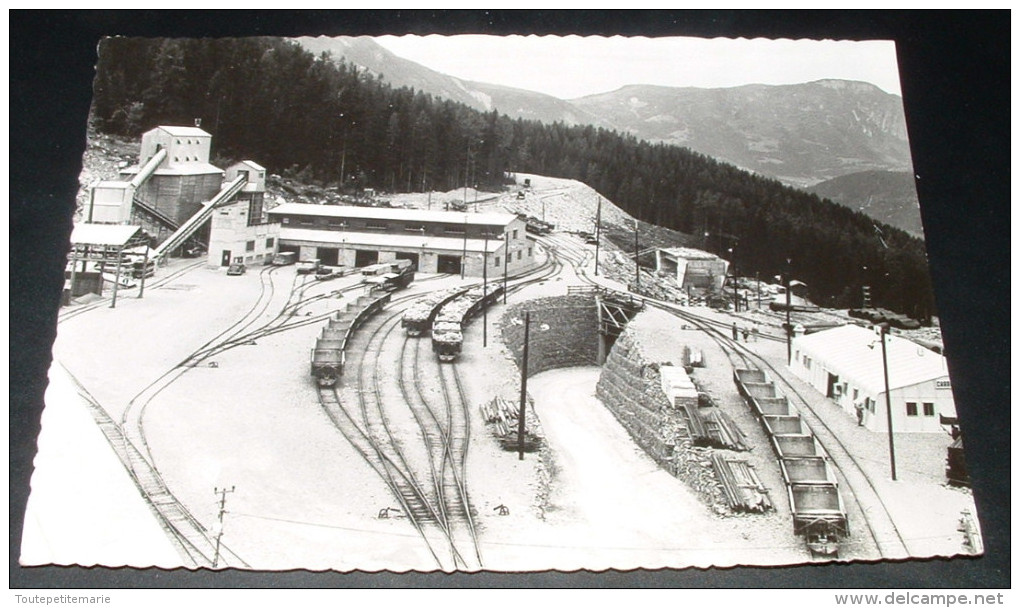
[[630, 387], [563, 333]]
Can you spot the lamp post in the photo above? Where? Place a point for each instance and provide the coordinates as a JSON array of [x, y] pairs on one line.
[[883, 332]]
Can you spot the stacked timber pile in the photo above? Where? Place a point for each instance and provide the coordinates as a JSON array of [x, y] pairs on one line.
[[722, 432], [740, 484], [502, 416]]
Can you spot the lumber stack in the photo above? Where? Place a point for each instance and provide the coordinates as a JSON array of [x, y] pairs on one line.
[[740, 485], [501, 416]]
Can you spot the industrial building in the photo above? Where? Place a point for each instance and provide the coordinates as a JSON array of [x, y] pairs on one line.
[[693, 268], [846, 364], [434, 241], [239, 229], [174, 176], [174, 190]]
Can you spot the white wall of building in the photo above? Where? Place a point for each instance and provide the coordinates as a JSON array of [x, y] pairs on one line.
[[248, 244], [910, 414]]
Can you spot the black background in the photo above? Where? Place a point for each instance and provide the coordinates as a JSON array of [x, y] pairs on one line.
[[955, 82]]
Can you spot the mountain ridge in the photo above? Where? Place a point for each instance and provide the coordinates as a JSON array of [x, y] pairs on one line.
[[801, 134]]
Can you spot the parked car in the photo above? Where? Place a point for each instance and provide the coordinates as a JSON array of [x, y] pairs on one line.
[[236, 269]]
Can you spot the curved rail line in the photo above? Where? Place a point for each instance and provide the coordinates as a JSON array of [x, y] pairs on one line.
[[886, 536], [193, 541]]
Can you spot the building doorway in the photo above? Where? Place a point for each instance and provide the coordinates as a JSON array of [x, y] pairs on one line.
[[328, 256], [413, 257], [225, 258], [365, 258], [832, 389], [448, 264]]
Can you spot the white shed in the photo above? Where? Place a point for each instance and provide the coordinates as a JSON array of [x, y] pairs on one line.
[[845, 363]]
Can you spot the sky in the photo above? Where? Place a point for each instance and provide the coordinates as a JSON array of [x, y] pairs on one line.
[[569, 67]]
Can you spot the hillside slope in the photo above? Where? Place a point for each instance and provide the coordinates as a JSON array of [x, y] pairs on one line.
[[887, 196], [800, 134]]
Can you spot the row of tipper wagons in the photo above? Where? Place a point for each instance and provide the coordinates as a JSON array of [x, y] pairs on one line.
[[330, 347], [818, 511], [443, 315]]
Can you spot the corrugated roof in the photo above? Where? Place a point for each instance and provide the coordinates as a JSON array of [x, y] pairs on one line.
[[184, 131], [855, 354], [411, 215], [384, 239], [102, 234]]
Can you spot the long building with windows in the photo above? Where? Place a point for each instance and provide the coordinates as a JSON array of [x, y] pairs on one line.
[[434, 241], [846, 364]]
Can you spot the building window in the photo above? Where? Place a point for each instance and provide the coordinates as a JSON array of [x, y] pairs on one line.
[[453, 229], [529, 252], [414, 228], [249, 246], [286, 220], [495, 262], [519, 255], [855, 394], [515, 235], [911, 408], [870, 403], [270, 242], [375, 225], [929, 409]]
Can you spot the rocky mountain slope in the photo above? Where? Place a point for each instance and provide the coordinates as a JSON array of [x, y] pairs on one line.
[[399, 72], [887, 196], [800, 134]]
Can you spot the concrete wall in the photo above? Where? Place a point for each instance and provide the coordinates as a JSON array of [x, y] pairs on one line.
[[229, 232]]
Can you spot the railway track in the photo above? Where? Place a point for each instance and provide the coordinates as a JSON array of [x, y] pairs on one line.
[[884, 536], [415, 440], [413, 471], [194, 542]]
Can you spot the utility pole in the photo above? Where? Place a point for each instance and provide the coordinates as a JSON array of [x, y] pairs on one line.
[[485, 290], [598, 234], [116, 283], [463, 257], [789, 328], [524, 389], [506, 260], [223, 509], [736, 287], [145, 268], [637, 267], [883, 332]]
